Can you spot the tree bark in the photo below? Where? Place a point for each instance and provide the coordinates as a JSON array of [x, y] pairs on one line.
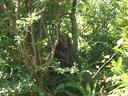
[[74, 24]]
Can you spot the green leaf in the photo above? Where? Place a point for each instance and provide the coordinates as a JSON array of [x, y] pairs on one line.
[[115, 64], [81, 5], [70, 94], [88, 89], [120, 61], [117, 71], [125, 84], [120, 66], [78, 86], [94, 88], [59, 87], [125, 76]]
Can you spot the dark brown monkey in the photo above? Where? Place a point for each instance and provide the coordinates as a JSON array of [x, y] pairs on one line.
[[65, 52]]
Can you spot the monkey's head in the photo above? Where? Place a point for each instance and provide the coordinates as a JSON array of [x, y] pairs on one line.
[[64, 40]]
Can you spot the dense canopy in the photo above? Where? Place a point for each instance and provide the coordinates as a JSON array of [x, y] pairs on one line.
[[63, 47]]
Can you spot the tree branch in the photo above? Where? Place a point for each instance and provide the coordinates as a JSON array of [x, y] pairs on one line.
[[9, 16], [34, 48], [53, 47], [104, 65], [45, 29], [17, 9]]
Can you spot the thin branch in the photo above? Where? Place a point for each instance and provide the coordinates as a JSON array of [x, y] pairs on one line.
[[44, 26], [26, 5], [26, 34], [9, 28], [39, 12], [57, 26], [48, 62], [45, 29], [26, 53], [9, 16], [34, 48], [41, 33], [39, 56], [17, 9], [43, 9], [53, 47], [104, 65]]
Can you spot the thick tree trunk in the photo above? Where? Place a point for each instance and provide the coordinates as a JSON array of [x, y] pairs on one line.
[[74, 24]]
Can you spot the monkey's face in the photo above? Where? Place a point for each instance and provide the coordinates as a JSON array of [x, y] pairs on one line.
[[63, 41]]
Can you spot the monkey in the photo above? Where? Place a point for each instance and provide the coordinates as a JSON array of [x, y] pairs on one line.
[[66, 54], [65, 51]]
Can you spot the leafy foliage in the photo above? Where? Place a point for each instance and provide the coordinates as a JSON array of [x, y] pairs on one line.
[[29, 35]]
